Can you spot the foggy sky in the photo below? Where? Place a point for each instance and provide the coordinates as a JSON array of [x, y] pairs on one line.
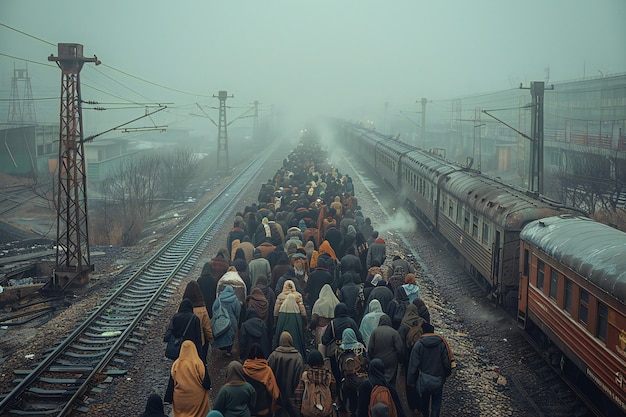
[[307, 58]]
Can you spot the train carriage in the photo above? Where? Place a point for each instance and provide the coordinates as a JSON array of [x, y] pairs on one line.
[[419, 183], [482, 218], [389, 155], [573, 288]]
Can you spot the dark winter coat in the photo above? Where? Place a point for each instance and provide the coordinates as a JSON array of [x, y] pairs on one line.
[[179, 322], [208, 287], [348, 295], [253, 330], [339, 324], [430, 355], [318, 278], [385, 343]]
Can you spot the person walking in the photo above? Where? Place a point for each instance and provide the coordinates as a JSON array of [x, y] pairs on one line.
[[376, 378], [237, 397], [430, 364], [287, 364], [193, 293], [191, 383], [229, 301], [386, 345], [291, 320], [261, 377]]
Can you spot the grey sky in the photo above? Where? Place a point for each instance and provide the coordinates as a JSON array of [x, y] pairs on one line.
[[308, 58]]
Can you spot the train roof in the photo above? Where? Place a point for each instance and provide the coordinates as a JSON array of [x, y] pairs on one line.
[[503, 204], [593, 250], [428, 164]]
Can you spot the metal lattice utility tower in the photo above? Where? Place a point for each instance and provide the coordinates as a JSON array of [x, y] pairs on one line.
[[72, 254], [255, 128], [22, 106], [222, 134], [536, 145]]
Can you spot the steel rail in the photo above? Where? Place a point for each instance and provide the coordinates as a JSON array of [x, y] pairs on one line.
[[175, 257]]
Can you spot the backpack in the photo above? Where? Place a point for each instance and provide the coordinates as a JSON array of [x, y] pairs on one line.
[[414, 334], [352, 368], [381, 394], [317, 400]]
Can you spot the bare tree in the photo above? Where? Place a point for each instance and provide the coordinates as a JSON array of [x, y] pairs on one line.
[[179, 167]]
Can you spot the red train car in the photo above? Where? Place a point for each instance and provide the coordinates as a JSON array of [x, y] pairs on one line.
[[573, 288]]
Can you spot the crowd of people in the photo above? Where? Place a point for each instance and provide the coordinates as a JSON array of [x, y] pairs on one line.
[[321, 319]]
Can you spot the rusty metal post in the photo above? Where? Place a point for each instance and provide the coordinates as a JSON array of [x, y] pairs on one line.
[[72, 253]]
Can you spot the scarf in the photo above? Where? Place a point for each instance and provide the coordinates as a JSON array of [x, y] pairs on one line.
[[259, 370], [235, 375], [326, 303]]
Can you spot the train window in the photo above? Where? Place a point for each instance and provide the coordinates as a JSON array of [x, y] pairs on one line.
[[540, 272], [485, 238], [458, 216], [569, 288], [583, 309], [474, 227], [603, 321], [451, 208], [554, 284], [467, 221]]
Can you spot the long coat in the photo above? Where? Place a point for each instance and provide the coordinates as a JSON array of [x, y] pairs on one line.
[[385, 343], [231, 303]]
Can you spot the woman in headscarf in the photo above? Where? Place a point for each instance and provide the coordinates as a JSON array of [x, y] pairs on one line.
[[282, 266], [385, 344], [376, 377], [323, 312], [194, 294], [237, 397], [311, 253], [229, 301], [191, 384], [290, 320], [316, 373], [411, 320], [253, 331], [154, 407], [260, 304], [261, 377], [289, 288], [351, 358], [422, 309], [333, 333], [287, 364], [370, 320], [410, 287]]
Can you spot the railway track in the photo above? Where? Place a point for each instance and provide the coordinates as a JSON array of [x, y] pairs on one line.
[[99, 346]]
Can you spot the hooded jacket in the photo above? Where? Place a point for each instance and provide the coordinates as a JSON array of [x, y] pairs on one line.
[[253, 330], [430, 355]]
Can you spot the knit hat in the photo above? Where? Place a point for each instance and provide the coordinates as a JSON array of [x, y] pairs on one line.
[[410, 279], [379, 240]]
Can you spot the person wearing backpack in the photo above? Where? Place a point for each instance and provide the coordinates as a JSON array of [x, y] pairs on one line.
[[429, 365], [375, 389], [353, 367], [313, 395]]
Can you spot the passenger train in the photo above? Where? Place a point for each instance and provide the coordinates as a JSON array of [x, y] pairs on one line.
[[562, 275]]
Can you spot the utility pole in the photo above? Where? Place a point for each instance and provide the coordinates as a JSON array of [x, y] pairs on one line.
[[72, 252], [222, 134], [478, 140], [385, 129], [22, 106], [424, 101], [535, 180], [255, 128]]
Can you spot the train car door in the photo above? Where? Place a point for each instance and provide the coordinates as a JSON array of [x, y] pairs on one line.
[[522, 303]]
